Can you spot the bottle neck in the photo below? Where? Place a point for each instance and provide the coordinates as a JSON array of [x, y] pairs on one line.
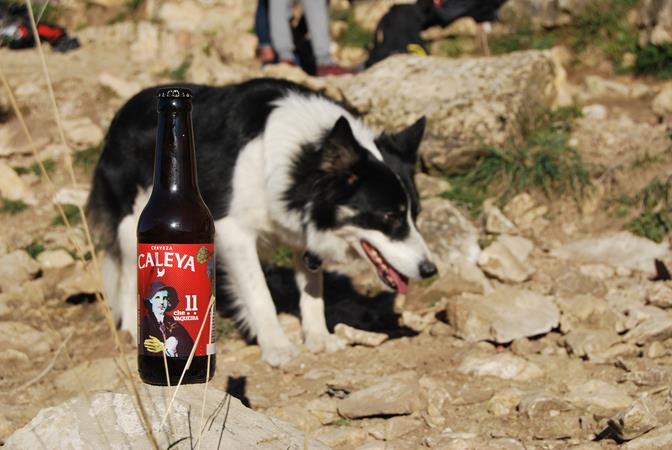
[[175, 158]]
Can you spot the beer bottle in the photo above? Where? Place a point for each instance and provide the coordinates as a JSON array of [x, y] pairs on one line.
[[176, 261]]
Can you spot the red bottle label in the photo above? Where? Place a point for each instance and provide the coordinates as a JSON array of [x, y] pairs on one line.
[[176, 286]]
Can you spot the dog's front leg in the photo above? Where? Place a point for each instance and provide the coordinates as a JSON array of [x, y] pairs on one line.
[[237, 248], [316, 336]]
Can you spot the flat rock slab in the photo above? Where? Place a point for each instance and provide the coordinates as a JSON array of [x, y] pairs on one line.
[[470, 103], [622, 249], [111, 418], [658, 439], [399, 395], [502, 365], [599, 395], [504, 315]]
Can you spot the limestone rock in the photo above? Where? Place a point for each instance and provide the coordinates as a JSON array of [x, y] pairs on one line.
[[71, 196], [397, 396], [98, 374], [658, 439], [359, 337], [54, 259], [341, 436], [15, 268], [596, 87], [502, 365], [660, 295], [122, 88], [496, 222], [506, 259], [622, 249], [450, 236], [398, 426], [656, 17], [656, 328], [541, 405], [24, 338], [429, 186], [591, 343], [635, 420], [12, 186], [600, 395], [72, 425], [505, 401], [525, 213], [82, 132], [662, 103], [77, 280], [595, 111], [506, 314], [465, 112]]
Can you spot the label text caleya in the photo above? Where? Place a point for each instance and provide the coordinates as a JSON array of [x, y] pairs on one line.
[[166, 259]]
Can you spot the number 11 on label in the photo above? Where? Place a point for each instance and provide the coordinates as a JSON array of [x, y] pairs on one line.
[[192, 304]]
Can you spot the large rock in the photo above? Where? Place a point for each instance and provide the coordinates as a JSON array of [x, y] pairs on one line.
[[656, 17], [16, 268], [111, 417], [502, 316], [658, 439], [399, 395], [622, 249], [656, 328], [450, 236], [469, 103]]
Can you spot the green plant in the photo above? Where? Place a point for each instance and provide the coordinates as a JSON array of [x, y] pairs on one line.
[[450, 48], [343, 421], [544, 161], [34, 249], [654, 60], [354, 35], [87, 158], [522, 39], [49, 166], [72, 214], [12, 207], [654, 220]]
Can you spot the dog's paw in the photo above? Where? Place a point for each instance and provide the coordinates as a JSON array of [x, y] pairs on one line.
[[278, 354], [323, 342]]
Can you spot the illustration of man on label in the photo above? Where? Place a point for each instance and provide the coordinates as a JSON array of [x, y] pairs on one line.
[[159, 328]]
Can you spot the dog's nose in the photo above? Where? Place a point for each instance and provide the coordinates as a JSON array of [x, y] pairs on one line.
[[427, 269]]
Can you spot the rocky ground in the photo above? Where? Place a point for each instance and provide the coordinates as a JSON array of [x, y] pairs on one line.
[[545, 329]]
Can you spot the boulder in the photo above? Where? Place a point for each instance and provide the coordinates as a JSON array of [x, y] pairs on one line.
[[502, 316], [111, 417], [470, 103]]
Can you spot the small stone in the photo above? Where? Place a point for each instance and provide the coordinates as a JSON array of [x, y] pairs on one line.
[[429, 186], [658, 439], [441, 329], [12, 186], [506, 259], [654, 329], [618, 351], [354, 336], [635, 420], [524, 346], [496, 222], [641, 313], [598, 271], [16, 268], [24, 338], [595, 111], [417, 322], [503, 365], [341, 436], [542, 405], [296, 415], [505, 401], [82, 132], [590, 343], [325, 409], [662, 103], [655, 349], [397, 396], [659, 294], [506, 314], [55, 259], [396, 427], [71, 196], [599, 395], [77, 281], [122, 88]]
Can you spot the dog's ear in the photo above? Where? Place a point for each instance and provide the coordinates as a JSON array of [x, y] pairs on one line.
[[408, 140], [341, 150]]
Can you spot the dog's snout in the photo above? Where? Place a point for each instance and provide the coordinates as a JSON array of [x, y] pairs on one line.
[[427, 269]]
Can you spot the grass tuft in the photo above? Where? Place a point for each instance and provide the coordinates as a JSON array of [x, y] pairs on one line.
[[654, 60], [49, 166], [71, 212], [544, 161], [12, 207], [179, 73], [87, 158], [34, 249], [354, 35], [655, 218]]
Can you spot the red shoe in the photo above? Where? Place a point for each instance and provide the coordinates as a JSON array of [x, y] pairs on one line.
[[333, 69]]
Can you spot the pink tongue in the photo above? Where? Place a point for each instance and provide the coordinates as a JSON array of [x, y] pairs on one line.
[[402, 286]]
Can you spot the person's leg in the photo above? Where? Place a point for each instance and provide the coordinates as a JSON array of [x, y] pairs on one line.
[[281, 33], [263, 32], [317, 16]]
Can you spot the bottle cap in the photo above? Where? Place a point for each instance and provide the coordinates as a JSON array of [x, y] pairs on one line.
[[173, 92]]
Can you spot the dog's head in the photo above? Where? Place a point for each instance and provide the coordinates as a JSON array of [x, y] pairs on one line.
[[358, 201]]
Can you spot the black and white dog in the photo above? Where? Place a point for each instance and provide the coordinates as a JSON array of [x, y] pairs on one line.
[[274, 159]]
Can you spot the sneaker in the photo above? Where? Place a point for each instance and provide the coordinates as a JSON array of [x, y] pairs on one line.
[[333, 69]]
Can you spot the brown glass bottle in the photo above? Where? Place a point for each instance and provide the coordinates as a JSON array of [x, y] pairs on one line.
[[174, 215]]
